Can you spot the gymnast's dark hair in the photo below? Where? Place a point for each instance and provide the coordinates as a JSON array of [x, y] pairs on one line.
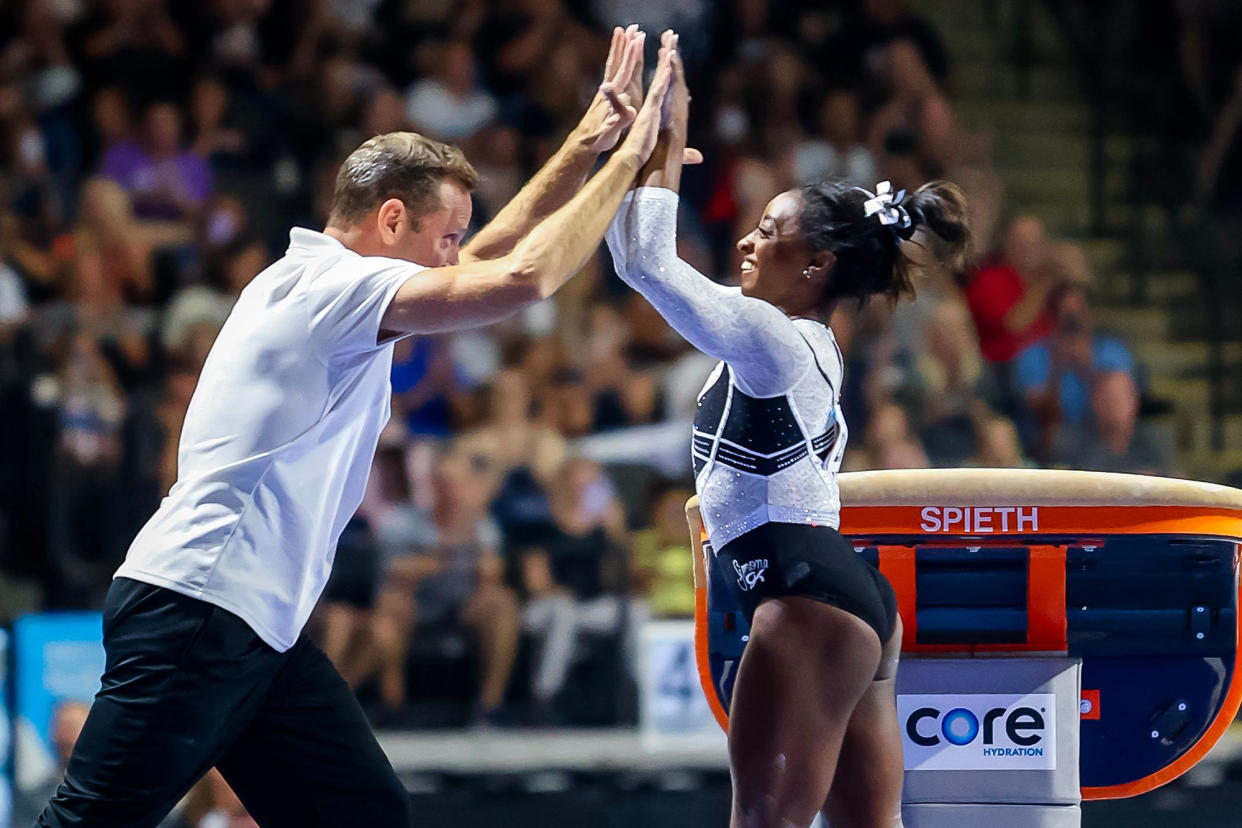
[[869, 259]]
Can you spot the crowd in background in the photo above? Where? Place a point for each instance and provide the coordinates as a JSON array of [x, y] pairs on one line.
[[524, 512]]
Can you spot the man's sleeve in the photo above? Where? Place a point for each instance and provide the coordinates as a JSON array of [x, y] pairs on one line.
[[346, 303], [1031, 368], [1112, 355]]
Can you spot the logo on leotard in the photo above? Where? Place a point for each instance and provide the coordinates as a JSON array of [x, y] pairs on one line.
[[750, 573]]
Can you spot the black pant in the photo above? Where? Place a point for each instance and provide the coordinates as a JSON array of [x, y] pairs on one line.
[[188, 685]]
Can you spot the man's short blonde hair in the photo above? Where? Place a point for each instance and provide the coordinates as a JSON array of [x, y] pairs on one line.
[[402, 165]]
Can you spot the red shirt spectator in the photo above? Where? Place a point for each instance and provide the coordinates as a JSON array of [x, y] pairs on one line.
[[993, 292], [1008, 294]]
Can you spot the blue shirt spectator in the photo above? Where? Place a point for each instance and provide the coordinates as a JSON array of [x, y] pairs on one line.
[[424, 381], [1034, 367]]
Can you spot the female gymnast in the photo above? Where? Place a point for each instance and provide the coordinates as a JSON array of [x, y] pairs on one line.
[[813, 721]]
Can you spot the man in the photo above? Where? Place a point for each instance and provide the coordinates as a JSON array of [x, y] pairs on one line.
[[1055, 375], [205, 660], [1115, 440]]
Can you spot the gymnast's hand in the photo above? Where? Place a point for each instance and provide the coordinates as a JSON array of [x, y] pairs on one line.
[[663, 168], [677, 104]]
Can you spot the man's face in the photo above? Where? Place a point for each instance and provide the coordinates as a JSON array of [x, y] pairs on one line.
[[435, 238]]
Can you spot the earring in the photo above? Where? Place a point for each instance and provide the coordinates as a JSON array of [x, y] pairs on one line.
[[807, 273]]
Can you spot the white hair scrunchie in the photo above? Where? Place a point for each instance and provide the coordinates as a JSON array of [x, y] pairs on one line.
[[886, 206]]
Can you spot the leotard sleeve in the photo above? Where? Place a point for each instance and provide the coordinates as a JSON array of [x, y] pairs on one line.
[[758, 341]]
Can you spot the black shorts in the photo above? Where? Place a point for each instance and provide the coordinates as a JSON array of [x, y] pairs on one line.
[[792, 559]]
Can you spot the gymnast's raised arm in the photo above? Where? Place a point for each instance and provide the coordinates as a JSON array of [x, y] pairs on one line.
[[758, 341]]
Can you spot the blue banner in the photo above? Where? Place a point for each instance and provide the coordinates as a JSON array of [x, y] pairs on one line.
[[59, 658]]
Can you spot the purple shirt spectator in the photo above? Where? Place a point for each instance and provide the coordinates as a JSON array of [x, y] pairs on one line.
[[161, 188], [163, 177]]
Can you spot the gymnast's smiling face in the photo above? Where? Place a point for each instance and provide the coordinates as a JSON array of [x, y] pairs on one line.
[[777, 265]]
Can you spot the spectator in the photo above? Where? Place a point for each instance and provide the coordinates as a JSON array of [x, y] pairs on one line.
[[170, 414], [68, 717], [14, 302], [998, 445], [575, 581], [111, 120], [425, 383], [1008, 294], [228, 810], [86, 546], [1054, 376], [952, 384], [450, 106], [569, 406], [888, 442], [165, 178], [211, 803], [915, 120], [216, 140], [510, 437], [663, 557], [837, 150], [136, 45], [498, 162], [1115, 441], [107, 239], [862, 40], [444, 569], [209, 304]]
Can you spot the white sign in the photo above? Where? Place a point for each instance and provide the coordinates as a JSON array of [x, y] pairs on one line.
[[673, 714], [985, 731]]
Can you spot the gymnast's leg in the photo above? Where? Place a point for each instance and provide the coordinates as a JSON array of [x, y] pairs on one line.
[[866, 791], [805, 668]]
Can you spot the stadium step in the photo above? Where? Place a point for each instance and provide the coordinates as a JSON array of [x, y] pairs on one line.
[[1178, 358], [994, 79], [1209, 465], [1135, 324], [1036, 117], [1186, 393], [1201, 433], [1041, 149], [1160, 287]]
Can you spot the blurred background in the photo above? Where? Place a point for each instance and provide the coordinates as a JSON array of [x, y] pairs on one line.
[[510, 602]]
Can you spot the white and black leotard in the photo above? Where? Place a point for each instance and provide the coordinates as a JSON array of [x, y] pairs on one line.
[[768, 433]]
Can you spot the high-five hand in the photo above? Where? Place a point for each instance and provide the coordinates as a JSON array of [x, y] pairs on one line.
[[613, 108], [646, 129]]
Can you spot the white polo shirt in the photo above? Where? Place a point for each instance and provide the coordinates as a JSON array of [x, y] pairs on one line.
[[278, 439]]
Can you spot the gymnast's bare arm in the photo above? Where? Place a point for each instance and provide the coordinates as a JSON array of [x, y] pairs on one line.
[[482, 292]]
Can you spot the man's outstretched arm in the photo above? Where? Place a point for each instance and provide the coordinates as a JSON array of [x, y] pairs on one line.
[[482, 292], [565, 171]]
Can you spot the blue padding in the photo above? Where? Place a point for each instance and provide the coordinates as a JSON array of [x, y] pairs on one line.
[[956, 588], [968, 626], [1135, 698]]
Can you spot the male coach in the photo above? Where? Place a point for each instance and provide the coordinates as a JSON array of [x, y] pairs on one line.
[[202, 626]]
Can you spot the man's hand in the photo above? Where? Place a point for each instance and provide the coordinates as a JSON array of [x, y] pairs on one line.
[[646, 129], [613, 108]]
